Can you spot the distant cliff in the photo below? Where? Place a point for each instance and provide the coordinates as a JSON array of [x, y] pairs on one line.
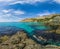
[[53, 19]]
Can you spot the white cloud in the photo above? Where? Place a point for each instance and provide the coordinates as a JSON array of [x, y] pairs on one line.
[[19, 12], [9, 20], [57, 1], [45, 13], [5, 0], [10, 2], [10, 15], [6, 11], [29, 1], [16, 12]]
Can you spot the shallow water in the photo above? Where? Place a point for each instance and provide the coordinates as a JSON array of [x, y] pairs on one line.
[[30, 27], [26, 26]]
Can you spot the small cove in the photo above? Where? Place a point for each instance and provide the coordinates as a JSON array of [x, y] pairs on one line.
[[13, 27]]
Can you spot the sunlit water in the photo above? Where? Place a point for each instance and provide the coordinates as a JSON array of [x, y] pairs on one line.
[[27, 26]]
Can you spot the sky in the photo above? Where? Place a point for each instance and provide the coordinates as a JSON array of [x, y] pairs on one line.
[[16, 10]]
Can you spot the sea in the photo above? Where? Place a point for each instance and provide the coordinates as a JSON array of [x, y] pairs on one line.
[[10, 28], [28, 26]]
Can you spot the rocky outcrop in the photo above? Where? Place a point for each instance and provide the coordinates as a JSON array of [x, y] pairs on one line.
[[21, 41]]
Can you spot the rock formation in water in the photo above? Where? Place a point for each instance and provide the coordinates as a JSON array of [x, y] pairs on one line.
[[20, 40], [8, 30]]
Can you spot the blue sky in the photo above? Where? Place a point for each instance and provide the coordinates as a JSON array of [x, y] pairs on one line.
[[15, 10]]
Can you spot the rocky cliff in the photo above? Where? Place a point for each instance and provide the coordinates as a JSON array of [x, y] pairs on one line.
[[53, 19]]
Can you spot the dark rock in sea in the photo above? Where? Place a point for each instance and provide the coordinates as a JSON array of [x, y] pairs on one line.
[[47, 36], [9, 30], [20, 40]]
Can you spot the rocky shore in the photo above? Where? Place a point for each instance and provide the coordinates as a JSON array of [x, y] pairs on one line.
[[20, 40]]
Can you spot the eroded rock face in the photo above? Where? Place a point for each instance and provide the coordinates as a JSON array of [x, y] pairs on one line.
[[21, 41]]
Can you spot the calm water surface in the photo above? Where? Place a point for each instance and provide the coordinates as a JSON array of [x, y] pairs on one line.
[[29, 27]]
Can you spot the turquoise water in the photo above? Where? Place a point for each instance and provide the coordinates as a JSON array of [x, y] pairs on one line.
[[24, 25], [29, 27]]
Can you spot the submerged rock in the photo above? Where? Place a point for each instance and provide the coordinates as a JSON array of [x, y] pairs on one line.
[[20, 40], [47, 35], [9, 30]]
